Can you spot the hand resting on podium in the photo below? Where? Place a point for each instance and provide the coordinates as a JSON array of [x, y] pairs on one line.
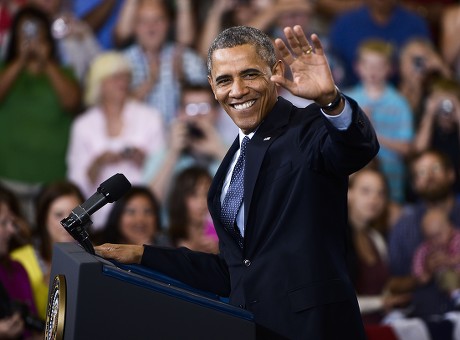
[[123, 253]]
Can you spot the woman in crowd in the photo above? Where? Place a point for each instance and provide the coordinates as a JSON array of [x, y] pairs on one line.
[[115, 134], [54, 203], [134, 219], [15, 287], [160, 64], [369, 217], [36, 98], [189, 221], [76, 42]]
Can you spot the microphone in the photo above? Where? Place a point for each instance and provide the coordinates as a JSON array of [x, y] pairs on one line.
[[79, 219]]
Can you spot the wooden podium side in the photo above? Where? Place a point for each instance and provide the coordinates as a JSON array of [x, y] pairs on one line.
[[91, 298]]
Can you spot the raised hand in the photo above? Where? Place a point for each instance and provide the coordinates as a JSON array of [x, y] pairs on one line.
[[312, 77]]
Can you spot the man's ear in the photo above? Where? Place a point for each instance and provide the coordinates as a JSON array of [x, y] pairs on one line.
[[212, 86], [279, 68]]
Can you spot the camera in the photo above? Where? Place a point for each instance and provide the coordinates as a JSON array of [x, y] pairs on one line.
[[446, 107], [128, 152], [194, 132], [419, 63], [30, 29], [60, 28]]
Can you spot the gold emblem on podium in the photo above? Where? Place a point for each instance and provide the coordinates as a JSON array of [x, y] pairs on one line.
[[55, 315]]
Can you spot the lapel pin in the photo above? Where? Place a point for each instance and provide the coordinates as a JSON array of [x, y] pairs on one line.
[[267, 138]]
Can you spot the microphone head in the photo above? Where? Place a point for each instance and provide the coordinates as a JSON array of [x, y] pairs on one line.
[[114, 187]]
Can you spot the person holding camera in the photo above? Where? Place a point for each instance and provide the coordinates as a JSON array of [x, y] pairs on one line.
[[18, 314], [76, 41], [418, 62], [440, 124], [115, 133], [194, 140], [38, 97]]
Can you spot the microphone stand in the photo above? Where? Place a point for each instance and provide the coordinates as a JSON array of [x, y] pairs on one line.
[[86, 243], [79, 233]]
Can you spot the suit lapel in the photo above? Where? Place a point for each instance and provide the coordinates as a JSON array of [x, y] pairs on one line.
[[217, 183], [273, 125]]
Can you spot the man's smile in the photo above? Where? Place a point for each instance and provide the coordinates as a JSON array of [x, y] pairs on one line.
[[243, 106]]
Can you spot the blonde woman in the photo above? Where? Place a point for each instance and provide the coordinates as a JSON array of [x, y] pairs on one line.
[[116, 132]]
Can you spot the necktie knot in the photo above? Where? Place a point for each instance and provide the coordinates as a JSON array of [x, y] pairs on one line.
[[244, 143]]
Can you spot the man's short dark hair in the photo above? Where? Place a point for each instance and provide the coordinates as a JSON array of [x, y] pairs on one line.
[[242, 35]]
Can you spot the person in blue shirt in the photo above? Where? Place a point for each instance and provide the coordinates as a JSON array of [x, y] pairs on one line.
[[386, 20], [388, 110]]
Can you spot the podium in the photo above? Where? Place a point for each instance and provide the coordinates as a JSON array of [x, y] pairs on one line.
[[91, 298]]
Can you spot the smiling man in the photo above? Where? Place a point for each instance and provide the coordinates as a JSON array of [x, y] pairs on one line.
[[279, 198]]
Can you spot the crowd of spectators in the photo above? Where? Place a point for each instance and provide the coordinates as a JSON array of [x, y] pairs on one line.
[[92, 88]]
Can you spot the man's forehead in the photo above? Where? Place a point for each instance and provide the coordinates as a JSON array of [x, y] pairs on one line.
[[246, 48], [428, 159], [242, 56]]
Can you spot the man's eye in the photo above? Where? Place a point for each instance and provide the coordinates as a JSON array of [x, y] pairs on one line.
[[251, 76], [222, 82]]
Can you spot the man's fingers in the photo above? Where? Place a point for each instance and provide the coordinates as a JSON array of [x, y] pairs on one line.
[[293, 40], [317, 44], [284, 51], [104, 250], [304, 45], [284, 82], [125, 253]]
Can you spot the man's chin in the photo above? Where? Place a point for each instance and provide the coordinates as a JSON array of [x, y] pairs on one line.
[[436, 195], [246, 125]]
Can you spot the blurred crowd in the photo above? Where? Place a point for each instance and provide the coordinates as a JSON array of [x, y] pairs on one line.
[[90, 88]]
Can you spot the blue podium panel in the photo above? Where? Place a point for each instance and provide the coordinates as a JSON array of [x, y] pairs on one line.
[[106, 301]]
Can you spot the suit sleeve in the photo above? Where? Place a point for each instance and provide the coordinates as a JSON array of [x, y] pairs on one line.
[[203, 271], [342, 152]]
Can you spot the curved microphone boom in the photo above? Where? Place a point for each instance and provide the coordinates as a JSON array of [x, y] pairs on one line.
[[79, 220]]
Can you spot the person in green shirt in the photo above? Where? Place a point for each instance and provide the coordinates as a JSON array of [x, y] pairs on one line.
[[37, 97]]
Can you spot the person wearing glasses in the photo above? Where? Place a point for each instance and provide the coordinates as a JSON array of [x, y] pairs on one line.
[[193, 140]]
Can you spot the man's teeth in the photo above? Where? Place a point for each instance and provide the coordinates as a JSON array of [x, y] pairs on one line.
[[245, 105]]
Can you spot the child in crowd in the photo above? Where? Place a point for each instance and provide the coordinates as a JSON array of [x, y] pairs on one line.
[[387, 109], [438, 257]]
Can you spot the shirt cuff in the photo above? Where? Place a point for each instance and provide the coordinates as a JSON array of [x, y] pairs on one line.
[[370, 304], [343, 120]]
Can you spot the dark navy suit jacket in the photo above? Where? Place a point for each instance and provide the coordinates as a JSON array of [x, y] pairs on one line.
[[291, 272]]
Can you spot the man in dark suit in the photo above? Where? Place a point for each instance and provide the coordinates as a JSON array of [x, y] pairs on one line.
[[282, 252]]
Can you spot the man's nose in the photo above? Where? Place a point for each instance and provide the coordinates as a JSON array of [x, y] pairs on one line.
[[239, 88]]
